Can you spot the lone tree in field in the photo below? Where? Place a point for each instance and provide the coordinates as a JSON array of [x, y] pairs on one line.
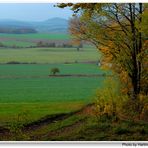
[[53, 71]]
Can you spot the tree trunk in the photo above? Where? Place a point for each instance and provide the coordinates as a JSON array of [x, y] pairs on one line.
[[137, 46], [140, 47]]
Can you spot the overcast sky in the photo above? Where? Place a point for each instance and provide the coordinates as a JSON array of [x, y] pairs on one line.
[[32, 12]]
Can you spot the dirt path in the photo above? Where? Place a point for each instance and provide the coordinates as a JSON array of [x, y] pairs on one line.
[[58, 117], [47, 120], [51, 135]]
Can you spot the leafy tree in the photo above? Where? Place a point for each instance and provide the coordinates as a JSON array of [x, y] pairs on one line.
[[53, 71], [119, 31]]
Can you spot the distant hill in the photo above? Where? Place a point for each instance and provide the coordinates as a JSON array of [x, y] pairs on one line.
[[13, 23], [53, 25], [16, 30], [57, 25]]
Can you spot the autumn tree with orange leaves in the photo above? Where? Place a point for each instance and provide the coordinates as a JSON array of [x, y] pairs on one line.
[[119, 31]]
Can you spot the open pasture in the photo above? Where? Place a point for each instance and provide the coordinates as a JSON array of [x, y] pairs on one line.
[[49, 55], [24, 91], [28, 40], [13, 43], [27, 88], [36, 36]]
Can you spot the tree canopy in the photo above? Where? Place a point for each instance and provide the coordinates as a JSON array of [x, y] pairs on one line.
[[119, 31]]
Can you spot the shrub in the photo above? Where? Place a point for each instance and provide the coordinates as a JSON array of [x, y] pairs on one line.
[[113, 104], [16, 127], [13, 62], [143, 107], [107, 100], [136, 109], [121, 130]]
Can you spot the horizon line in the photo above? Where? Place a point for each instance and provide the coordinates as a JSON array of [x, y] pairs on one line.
[[11, 19]]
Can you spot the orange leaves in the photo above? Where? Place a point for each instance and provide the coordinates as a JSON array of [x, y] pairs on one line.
[[115, 29], [126, 87], [77, 28]]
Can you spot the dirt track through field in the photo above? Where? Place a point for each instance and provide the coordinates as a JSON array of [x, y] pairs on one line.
[[51, 135], [86, 110], [58, 117], [47, 120]]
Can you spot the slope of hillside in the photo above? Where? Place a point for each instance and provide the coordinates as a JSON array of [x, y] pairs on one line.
[[53, 25]]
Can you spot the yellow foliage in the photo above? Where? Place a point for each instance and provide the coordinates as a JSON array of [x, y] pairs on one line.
[[126, 82], [121, 39], [143, 101], [106, 99], [110, 103], [144, 113]]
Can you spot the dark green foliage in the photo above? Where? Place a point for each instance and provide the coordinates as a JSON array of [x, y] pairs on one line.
[[13, 62], [121, 130], [54, 71], [104, 131]]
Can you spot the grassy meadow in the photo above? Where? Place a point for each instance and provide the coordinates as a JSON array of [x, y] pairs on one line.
[[28, 92], [27, 88], [80, 77], [55, 107], [23, 44], [48, 55], [28, 95], [36, 36], [31, 40]]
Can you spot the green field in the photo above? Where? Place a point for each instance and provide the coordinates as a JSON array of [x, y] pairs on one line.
[[18, 43], [28, 89], [36, 36], [48, 55], [28, 40], [33, 81], [43, 70]]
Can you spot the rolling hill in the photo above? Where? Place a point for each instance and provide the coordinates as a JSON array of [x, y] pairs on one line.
[[53, 25]]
